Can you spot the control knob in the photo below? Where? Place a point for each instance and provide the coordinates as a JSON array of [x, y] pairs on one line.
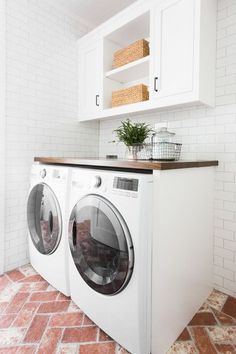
[[43, 173], [96, 181]]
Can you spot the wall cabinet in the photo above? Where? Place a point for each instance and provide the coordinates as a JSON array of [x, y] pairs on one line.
[[173, 48], [90, 78], [180, 69]]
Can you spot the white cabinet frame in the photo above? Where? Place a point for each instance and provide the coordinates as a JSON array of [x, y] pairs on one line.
[[195, 38]]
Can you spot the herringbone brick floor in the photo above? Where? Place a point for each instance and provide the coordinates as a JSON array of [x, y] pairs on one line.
[[36, 318]]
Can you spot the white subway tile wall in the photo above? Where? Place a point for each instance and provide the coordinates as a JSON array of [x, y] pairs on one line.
[[41, 106], [208, 134], [2, 129]]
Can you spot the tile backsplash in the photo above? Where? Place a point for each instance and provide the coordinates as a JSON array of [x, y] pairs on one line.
[[41, 106], [207, 133]]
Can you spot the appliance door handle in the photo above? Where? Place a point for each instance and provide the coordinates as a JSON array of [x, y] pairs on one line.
[[74, 233], [97, 97], [50, 221], [155, 84]]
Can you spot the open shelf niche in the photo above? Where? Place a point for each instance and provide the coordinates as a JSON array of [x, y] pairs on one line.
[[134, 73]]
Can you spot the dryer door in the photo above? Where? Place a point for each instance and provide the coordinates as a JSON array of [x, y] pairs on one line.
[[44, 219], [101, 245]]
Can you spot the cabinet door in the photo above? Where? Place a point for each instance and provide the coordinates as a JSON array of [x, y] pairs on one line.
[[172, 41], [90, 77]]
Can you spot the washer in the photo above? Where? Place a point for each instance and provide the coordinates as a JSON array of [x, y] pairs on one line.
[[47, 217], [110, 253]]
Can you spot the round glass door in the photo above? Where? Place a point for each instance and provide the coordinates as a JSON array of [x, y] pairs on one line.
[[101, 245], [44, 219]]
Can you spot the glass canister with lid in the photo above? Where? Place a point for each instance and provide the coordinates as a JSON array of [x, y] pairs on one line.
[[164, 147]]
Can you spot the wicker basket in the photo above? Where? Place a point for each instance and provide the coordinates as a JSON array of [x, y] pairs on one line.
[[133, 94], [156, 151], [134, 51]]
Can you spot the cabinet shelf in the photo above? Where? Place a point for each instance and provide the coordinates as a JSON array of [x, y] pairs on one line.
[[130, 72]]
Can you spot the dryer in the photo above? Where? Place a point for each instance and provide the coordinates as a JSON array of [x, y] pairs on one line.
[[47, 217], [110, 252]]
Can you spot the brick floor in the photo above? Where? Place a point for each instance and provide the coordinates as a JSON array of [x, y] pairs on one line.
[[36, 318]]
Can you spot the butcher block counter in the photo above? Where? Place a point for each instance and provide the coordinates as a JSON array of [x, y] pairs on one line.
[[141, 165]]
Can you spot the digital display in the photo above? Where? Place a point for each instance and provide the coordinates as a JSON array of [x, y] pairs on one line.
[[126, 184]]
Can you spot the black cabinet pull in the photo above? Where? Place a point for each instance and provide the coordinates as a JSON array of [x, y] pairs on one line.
[[97, 97], [155, 84]]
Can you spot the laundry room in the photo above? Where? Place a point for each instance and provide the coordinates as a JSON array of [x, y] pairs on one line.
[[118, 176]]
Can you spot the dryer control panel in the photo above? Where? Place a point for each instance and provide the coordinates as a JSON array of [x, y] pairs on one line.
[[127, 184]]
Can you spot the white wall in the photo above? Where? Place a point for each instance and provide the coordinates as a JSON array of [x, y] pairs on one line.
[[41, 106], [208, 134], [2, 130]]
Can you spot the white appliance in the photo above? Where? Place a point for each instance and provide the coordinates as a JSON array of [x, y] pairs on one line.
[[47, 224], [110, 252]]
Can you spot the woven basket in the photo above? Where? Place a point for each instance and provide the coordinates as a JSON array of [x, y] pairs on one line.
[[134, 51], [133, 94]]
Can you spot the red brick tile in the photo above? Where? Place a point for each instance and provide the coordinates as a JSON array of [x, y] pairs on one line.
[[17, 302], [100, 348], [44, 296], [202, 341], [181, 347], [203, 319], [68, 348], [103, 337], [229, 307], [224, 319], [83, 334], [50, 340], [4, 281], [32, 279], [30, 287], [36, 329], [217, 299], [3, 306], [27, 349], [11, 336], [8, 350], [87, 321], [6, 320], [15, 275], [224, 334], [184, 336], [25, 315], [52, 307], [63, 297], [66, 319], [225, 349], [73, 308]]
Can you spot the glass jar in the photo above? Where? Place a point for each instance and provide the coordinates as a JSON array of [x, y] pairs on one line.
[[163, 147], [163, 136]]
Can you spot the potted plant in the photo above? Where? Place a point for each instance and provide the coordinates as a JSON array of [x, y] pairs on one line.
[[133, 135]]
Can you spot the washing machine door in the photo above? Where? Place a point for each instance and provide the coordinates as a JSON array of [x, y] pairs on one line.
[[101, 245], [44, 219]]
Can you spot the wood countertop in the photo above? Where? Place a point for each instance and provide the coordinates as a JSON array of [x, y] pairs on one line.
[[142, 165]]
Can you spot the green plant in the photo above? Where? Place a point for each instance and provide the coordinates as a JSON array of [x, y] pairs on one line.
[[133, 133]]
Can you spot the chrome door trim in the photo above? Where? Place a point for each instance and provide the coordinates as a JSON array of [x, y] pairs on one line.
[[83, 203], [60, 221]]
